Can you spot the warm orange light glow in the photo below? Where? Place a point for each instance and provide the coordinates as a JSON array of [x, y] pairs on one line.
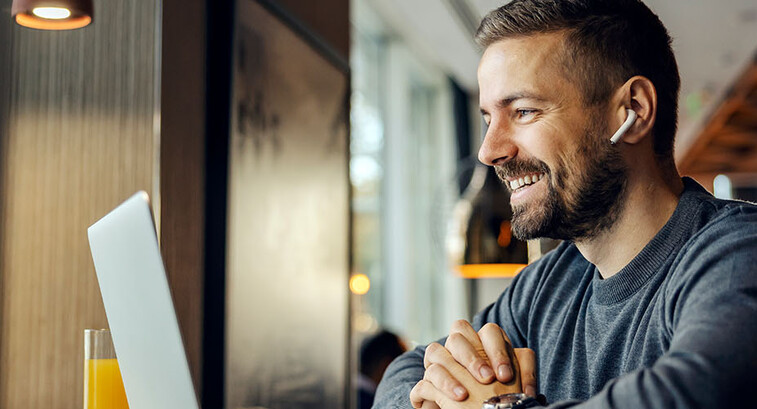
[[32, 21], [505, 234], [53, 13], [360, 284], [508, 270]]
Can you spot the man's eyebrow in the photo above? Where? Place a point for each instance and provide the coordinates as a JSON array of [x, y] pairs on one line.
[[508, 100]]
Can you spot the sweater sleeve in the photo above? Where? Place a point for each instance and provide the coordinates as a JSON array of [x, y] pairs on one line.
[[712, 317]]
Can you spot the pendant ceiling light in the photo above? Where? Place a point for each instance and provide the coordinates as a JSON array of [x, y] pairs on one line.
[[53, 14], [479, 240]]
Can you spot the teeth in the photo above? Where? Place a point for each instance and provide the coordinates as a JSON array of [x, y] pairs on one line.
[[526, 180]]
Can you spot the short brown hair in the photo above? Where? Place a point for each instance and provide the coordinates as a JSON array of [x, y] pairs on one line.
[[607, 42]]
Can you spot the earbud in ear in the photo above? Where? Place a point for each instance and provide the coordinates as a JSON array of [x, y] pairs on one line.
[[623, 128]]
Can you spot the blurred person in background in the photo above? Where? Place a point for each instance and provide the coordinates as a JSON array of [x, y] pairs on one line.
[[376, 353]]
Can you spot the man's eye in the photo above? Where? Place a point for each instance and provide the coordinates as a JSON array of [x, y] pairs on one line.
[[525, 113]]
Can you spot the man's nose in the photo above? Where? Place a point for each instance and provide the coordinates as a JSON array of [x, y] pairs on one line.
[[497, 147]]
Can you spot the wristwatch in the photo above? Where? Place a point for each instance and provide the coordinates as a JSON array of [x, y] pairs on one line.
[[511, 401]]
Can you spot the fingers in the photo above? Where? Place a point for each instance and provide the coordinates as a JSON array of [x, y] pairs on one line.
[[469, 356], [444, 381], [465, 328], [427, 404], [423, 392], [465, 346], [527, 363], [444, 372], [499, 349]]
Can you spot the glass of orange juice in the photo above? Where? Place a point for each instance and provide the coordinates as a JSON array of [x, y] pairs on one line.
[[103, 387]]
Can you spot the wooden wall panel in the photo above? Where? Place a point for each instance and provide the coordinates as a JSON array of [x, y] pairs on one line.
[[182, 166], [78, 139]]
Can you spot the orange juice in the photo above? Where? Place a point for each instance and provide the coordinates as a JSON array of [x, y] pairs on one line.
[[103, 387]]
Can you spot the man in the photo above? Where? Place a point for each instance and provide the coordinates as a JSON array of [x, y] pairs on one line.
[[651, 300]]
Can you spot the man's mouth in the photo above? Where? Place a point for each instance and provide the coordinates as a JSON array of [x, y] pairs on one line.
[[526, 180]]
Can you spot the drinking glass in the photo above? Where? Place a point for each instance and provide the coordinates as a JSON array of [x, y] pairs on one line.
[[103, 387]]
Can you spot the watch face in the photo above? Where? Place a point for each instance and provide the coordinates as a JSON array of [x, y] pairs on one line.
[[511, 398]]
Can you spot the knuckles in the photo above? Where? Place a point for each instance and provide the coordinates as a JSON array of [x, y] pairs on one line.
[[419, 386], [433, 353], [417, 391], [490, 328], [455, 338], [456, 347], [433, 348], [461, 326], [438, 376], [433, 372]]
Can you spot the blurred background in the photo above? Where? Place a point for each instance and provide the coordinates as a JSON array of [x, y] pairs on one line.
[[414, 66], [312, 173]]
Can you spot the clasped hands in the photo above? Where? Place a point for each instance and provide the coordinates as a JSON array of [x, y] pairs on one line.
[[472, 367]]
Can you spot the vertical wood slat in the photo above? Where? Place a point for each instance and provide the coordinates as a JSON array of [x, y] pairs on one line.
[[182, 167], [78, 139]]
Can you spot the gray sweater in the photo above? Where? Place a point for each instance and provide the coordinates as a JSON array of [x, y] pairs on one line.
[[675, 328]]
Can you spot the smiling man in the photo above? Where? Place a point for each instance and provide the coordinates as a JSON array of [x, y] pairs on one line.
[[651, 300]]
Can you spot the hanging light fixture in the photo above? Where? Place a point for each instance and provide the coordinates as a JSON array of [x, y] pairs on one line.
[[479, 238], [53, 14]]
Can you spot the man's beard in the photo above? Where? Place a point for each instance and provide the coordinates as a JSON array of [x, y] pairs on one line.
[[583, 199]]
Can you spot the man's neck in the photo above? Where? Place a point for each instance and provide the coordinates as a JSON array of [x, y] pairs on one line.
[[648, 204]]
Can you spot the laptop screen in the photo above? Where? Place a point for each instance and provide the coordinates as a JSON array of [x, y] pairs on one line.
[[140, 309]]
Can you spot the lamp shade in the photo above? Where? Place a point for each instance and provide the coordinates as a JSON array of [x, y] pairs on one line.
[[53, 14], [479, 239]]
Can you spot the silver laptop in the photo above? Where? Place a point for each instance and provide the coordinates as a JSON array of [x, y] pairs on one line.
[[140, 309]]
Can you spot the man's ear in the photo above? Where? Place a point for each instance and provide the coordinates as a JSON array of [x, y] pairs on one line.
[[640, 95]]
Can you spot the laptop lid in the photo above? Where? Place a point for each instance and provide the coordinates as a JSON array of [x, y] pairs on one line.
[[140, 309]]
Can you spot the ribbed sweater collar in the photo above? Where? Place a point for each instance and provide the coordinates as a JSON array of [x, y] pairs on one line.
[[648, 262]]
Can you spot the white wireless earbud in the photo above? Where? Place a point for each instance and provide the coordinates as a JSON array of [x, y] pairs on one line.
[[623, 128]]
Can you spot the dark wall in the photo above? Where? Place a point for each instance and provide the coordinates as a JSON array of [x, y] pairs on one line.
[[329, 19], [287, 268]]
